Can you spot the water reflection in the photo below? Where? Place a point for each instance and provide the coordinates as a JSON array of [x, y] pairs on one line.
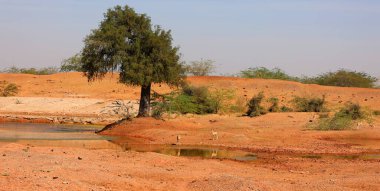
[[347, 157], [54, 135], [187, 151], [16, 131]]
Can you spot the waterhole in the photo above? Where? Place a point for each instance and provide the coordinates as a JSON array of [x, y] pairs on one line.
[[56, 135], [77, 136]]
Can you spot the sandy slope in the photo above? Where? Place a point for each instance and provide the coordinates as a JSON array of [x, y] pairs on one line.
[[72, 94], [279, 138], [74, 85]]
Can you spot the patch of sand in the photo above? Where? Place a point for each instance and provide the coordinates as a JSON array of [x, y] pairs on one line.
[[55, 168], [279, 137]]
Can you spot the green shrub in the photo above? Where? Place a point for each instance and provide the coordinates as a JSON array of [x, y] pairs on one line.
[[344, 119], [343, 78], [309, 104], [191, 99], [353, 111], [220, 100], [254, 105], [8, 89], [265, 73], [335, 123], [201, 97], [184, 104], [174, 103], [274, 105]]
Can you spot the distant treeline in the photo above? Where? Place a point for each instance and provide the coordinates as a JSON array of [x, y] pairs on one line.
[[342, 77], [35, 71]]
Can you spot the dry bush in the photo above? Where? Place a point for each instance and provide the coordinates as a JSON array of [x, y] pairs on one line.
[[314, 104], [8, 89], [254, 105]]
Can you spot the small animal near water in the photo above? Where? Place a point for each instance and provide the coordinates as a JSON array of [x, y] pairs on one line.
[[214, 135], [214, 153]]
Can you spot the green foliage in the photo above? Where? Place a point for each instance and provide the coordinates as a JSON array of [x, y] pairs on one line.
[[254, 105], [343, 119], [72, 64], [200, 68], [201, 96], [274, 105], [220, 100], [335, 123], [174, 103], [353, 111], [8, 89], [343, 78], [309, 104], [34, 71], [128, 42], [191, 99], [265, 73], [377, 112]]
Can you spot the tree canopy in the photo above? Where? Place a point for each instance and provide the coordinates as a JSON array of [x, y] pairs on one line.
[[200, 68], [72, 64], [127, 42], [265, 73], [344, 78]]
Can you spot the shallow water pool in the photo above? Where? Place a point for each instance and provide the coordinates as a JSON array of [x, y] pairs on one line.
[[77, 136], [80, 136]]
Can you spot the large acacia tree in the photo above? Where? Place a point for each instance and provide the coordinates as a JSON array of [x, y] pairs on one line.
[[127, 42]]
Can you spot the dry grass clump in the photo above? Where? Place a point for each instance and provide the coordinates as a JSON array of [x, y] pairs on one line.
[[313, 104], [8, 89]]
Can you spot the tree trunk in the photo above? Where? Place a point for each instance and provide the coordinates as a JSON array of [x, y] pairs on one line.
[[144, 108]]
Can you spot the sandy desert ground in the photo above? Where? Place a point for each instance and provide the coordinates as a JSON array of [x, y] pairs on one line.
[[290, 157]]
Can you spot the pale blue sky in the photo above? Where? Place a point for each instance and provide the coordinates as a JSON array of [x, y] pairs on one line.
[[300, 36]]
